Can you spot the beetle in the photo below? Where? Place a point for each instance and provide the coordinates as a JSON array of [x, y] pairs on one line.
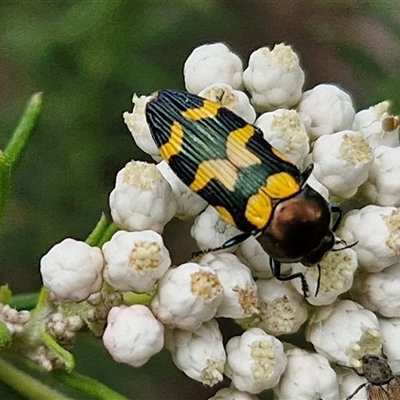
[[252, 185], [378, 373]]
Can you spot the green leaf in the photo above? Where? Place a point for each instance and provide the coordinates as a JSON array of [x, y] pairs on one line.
[[5, 335], [24, 301], [5, 294], [361, 60]]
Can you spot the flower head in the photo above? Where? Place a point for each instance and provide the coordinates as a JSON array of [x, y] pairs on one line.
[[133, 335], [255, 361], [72, 270], [329, 108], [187, 296], [307, 376], [212, 63], [200, 354], [142, 199], [274, 78], [135, 260]]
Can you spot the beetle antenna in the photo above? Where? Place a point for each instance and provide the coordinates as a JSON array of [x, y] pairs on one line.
[[346, 246], [319, 280]]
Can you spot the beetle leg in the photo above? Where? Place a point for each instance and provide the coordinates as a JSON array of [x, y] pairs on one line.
[[276, 270], [336, 209], [356, 391], [229, 243], [306, 174]]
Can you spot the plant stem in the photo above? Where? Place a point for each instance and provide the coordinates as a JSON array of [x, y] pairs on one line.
[[26, 385], [62, 355], [89, 386], [112, 228], [97, 232], [16, 146], [22, 133]]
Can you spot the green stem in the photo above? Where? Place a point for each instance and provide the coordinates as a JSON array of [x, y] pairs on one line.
[[112, 228], [63, 355], [102, 232], [26, 385], [21, 135], [135, 298], [41, 303], [88, 385], [16, 146], [98, 231], [5, 179]]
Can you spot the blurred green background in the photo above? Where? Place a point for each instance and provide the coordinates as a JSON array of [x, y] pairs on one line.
[[89, 57]]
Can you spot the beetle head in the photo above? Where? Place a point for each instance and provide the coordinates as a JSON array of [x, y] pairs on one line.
[[299, 230]]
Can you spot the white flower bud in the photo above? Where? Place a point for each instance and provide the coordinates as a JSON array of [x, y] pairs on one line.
[[274, 78], [341, 162], [348, 382], [251, 253], [133, 335], [337, 273], [189, 203], [255, 361], [383, 184], [376, 230], [372, 124], [187, 296], [142, 199], [379, 291], [307, 376], [282, 310], [72, 270], [137, 125], [234, 100], [240, 291], [232, 394], [330, 109], [343, 332], [212, 63], [135, 260], [13, 321], [200, 354], [285, 131], [390, 330], [211, 231]]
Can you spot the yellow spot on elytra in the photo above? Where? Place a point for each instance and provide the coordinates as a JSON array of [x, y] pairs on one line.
[[281, 185], [259, 206], [225, 214], [236, 150], [279, 154], [209, 109], [221, 170], [174, 144], [259, 209]]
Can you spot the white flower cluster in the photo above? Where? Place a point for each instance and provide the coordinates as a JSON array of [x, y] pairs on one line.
[[356, 159], [13, 319]]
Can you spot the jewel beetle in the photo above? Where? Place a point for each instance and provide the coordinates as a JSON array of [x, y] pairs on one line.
[[251, 184]]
